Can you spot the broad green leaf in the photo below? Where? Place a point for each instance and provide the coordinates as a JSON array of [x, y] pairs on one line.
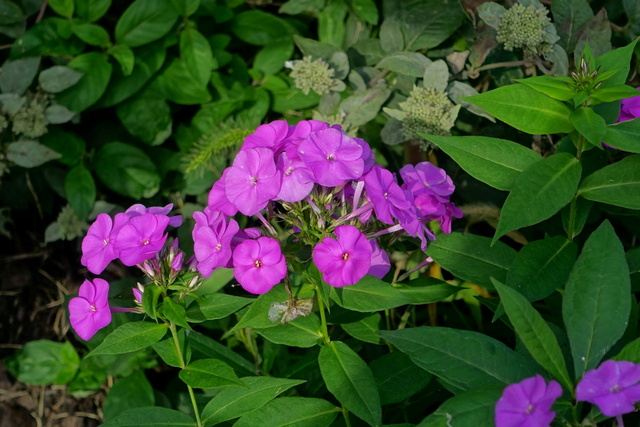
[[555, 87], [257, 314], [234, 402], [204, 346], [539, 192], [525, 109], [491, 13], [81, 190], [10, 13], [534, 332], [397, 377], [174, 312], [624, 135], [271, 58], [570, 17], [426, 290], [58, 78], [632, 9], [186, 7], [145, 21], [96, 71], [615, 93], [119, 167], [365, 329], [633, 260], [153, 416], [260, 28], [630, 352], [464, 360], [215, 306], [209, 373], [473, 408], [472, 258], [541, 267], [364, 105], [589, 124], [350, 380], [366, 9], [597, 299], [196, 52], [331, 23], [148, 117], [311, 47], [496, 162], [132, 391], [29, 154], [616, 59], [177, 84], [291, 411], [150, 299], [62, 7], [302, 332], [69, 145], [58, 114], [92, 34], [166, 349], [16, 76], [44, 362], [369, 294], [617, 184], [458, 90], [408, 63], [125, 57], [130, 337], [91, 10]]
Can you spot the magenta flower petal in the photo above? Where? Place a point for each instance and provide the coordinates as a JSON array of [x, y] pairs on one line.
[[212, 236], [385, 194], [527, 403], [98, 245], [141, 238], [90, 311], [259, 264], [614, 387], [269, 136], [425, 177], [380, 262], [138, 209], [297, 179], [345, 260]]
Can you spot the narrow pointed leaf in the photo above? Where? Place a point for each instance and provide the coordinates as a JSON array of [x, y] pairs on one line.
[[369, 294], [130, 337], [153, 416], [209, 373], [617, 184], [556, 88], [292, 411], [589, 124], [474, 408], [215, 306], [624, 136]]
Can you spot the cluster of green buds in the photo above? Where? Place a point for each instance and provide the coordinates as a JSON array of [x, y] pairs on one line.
[[309, 74], [429, 111], [30, 119], [71, 225], [525, 28], [585, 79]]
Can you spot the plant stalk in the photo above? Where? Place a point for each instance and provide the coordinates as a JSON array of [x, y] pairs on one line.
[[192, 396], [323, 318]]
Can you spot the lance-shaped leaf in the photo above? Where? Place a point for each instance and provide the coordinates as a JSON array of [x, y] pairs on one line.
[[209, 373], [555, 87], [474, 408], [496, 162], [534, 332], [617, 184], [152, 416], [589, 124], [624, 135], [525, 109], [130, 337], [291, 411], [597, 301], [540, 191]]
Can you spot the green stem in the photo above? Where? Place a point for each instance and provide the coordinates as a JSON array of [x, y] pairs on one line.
[[572, 208], [323, 318], [192, 396], [345, 414]]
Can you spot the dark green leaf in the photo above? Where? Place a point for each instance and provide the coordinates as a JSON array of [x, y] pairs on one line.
[[569, 18], [58, 78], [630, 352], [271, 58], [257, 314], [132, 391], [215, 306], [145, 21], [369, 294], [69, 145], [10, 13], [350, 380], [92, 34], [127, 170], [174, 312], [589, 124], [302, 332], [311, 47], [124, 55], [16, 76], [96, 71], [426, 290], [81, 190], [291, 411], [597, 300], [366, 9], [177, 84], [208, 347], [397, 377], [624, 135], [209, 373], [154, 416], [539, 191], [62, 7], [597, 33], [147, 117], [130, 337], [150, 299], [196, 53], [474, 408], [186, 7], [617, 184], [633, 260], [91, 10], [58, 114], [411, 64], [166, 349], [365, 329], [259, 28], [44, 362]]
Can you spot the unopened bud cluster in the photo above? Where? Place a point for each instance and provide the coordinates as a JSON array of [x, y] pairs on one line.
[[315, 75], [524, 28], [71, 225], [428, 111], [30, 120]]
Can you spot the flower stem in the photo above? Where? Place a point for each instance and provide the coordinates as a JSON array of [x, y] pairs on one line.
[[192, 396], [323, 318], [572, 207]]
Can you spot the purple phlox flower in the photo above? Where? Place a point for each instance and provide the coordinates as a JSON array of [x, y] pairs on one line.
[[259, 264], [527, 403], [141, 238], [138, 209], [333, 157], [345, 260], [212, 236], [297, 179], [98, 245], [176, 264], [217, 199], [137, 293], [380, 263], [385, 194], [89, 311], [629, 109], [269, 136], [368, 156], [614, 387], [452, 211], [425, 177], [253, 180]]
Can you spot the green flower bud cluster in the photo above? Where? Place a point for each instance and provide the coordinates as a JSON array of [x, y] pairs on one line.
[[71, 225], [524, 28], [30, 120], [427, 110], [312, 75]]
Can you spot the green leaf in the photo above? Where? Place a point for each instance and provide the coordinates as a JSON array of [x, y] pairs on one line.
[[150, 298], [69, 145], [570, 17], [541, 267], [633, 260], [257, 314], [234, 402], [624, 136], [62, 7], [58, 114], [186, 7], [525, 109], [147, 117], [81, 190], [534, 332], [208, 347], [462, 359], [44, 362], [58, 78], [473, 408], [597, 33], [366, 9], [29, 154], [408, 63], [472, 258], [259, 28], [291, 411], [311, 47], [397, 377], [364, 329], [209, 373], [16, 76], [196, 52], [539, 191], [92, 34], [616, 60], [130, 337], [10, 13], [127, 170], [331, 23], [124, 55], [177, 84], [132, 391], [155, 416], [91, 10], [96, 71], [364, 105], [491, 13], [597, 300], [271, 58], [589, 124], [426, 290], [215, 306], [630, 352], [174, 312], [166, 348], [496, 162], [555, 87], [302, 332], [145, 21], [617, 184], [369, 294], [350, 380], [615, 93]]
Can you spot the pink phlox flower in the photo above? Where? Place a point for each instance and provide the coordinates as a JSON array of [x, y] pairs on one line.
[[297, 179], [212, 235], [253, 180], [368, 155], [217, 199], [629, 109], [344, 260], [242, 235], [259, 264], [89, 311], [137, 293], [452, 211], [269, 135], [98, 248], [527, 403], [333, 157], [380, 263], [138, 209], [141, 238], [614, 387], [385, 194], [426, 177]]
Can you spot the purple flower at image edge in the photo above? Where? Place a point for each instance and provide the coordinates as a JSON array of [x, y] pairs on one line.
[[614, 387], [527, 403], [89, 311]]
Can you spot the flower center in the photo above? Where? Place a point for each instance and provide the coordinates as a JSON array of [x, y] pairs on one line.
[[93, 308], [218, 246], [254, 180], [258, 263], [615, 389], [145, 242], [289, 171], [385, 195], [331, 157], [530, 409], [345, 256], [106, 241]]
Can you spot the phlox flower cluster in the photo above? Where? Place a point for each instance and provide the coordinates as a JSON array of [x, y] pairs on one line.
[[614, 387]]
